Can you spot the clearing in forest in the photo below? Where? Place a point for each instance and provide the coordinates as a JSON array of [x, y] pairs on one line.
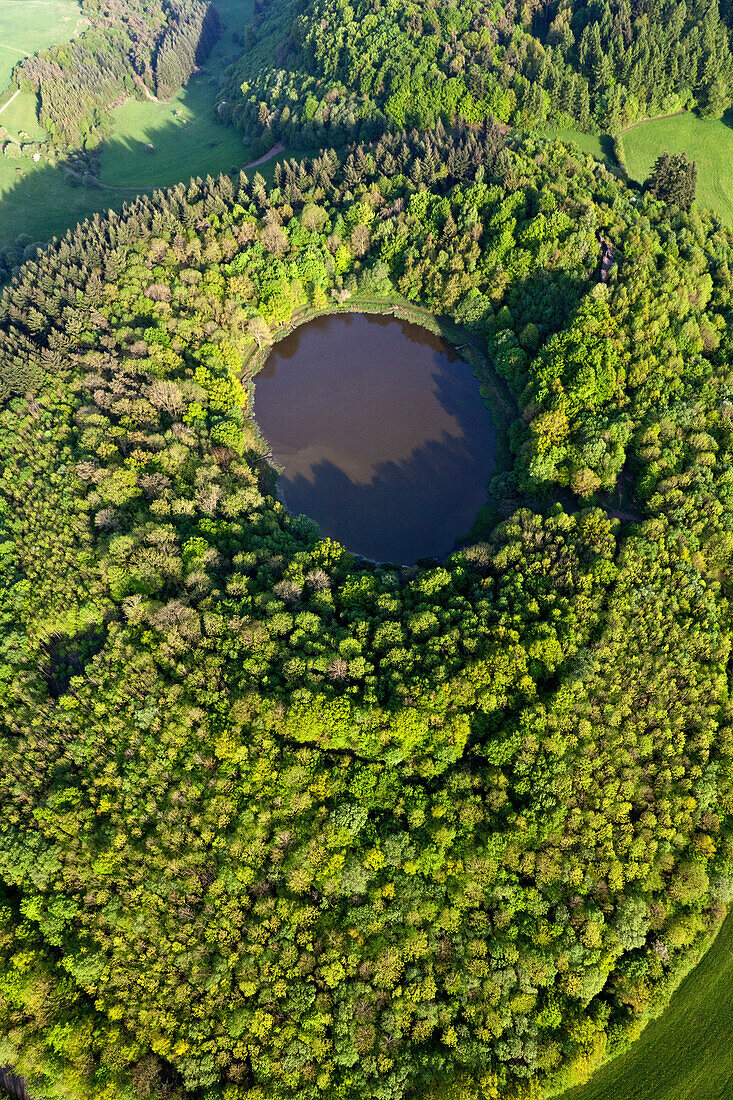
[[196, 146], [709, 142], [186, 139]]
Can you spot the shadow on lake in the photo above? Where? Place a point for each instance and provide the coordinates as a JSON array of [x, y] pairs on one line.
[[381, 433]]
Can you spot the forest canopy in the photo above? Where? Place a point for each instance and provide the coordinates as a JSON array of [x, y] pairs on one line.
[[332, 70], [282, 824]]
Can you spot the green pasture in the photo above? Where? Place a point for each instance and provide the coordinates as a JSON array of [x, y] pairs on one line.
[[596, 145], [706, 141], [685, 1054], [27, 26], [21, 117], [38, 200], [186, 139]]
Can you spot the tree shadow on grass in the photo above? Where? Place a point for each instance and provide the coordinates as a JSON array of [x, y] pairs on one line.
[[160, 144], [727, 118], [42, 201], [607, 148]]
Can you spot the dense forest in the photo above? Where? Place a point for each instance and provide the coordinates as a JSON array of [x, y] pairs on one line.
[[279, 822], [330, 70], [130, 46]]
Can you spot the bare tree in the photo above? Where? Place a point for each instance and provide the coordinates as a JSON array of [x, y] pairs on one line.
[[260, 330]]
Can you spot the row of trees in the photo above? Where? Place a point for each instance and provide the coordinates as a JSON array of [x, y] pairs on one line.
[[279, 823], [129, 44], [329, 71]]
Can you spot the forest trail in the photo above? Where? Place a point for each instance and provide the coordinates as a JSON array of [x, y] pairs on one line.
[[140, 83], [656, 118], [279, 148], [6, 105]]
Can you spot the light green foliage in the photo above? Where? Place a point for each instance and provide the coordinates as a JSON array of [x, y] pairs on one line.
[[286, 825]]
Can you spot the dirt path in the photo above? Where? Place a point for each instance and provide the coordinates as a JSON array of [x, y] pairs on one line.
[[9, 101], [656, 118], [140, 83], [279, 148]]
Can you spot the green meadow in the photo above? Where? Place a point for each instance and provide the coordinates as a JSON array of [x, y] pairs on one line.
[[595, 145], [41, 200], [186, 139], [709, 142], [706, 141], [27, 26]]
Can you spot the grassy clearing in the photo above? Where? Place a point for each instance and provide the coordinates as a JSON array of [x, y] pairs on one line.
[[706, 141], [687, 1053], [187, 140], [21, 116], [27, 26], [38, 200], [598, 146]]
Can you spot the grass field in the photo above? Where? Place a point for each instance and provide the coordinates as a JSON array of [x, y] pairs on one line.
[[687, 1053], [38, 200], [21, 117], [596, 145], [27, 26], [187, 140], [706, 141]]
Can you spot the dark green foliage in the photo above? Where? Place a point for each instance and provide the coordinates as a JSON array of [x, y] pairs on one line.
[[328, 70], [278, 823], [620, 153], [673, 180], [130, 45]]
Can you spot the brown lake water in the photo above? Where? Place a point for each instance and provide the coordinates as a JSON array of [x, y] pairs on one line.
[[381, 433]]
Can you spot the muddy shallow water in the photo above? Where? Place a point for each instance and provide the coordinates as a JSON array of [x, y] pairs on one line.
[[381, 432]]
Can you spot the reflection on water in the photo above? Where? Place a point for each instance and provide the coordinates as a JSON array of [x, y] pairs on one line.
[[382, 434]]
